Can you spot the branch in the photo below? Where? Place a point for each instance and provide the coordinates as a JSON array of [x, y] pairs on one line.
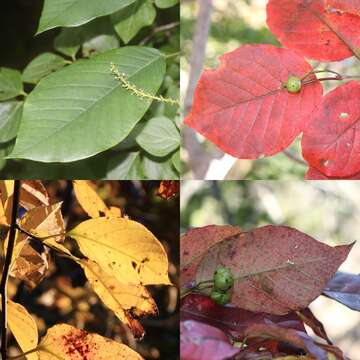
[[5, 274]]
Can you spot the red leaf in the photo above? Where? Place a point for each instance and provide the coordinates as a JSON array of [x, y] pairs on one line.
[[351, 6], [204, 342], [331, 142], [234, 321], [289, 336], [277, 269], [344, 288], [315, 30], [196, 242], [242, 106], [169, 189], [315, 174]]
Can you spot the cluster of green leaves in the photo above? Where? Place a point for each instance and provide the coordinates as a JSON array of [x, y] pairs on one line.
[[66, 114]]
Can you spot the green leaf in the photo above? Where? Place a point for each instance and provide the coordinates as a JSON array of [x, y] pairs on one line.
[[83, 110], [159, 168], [76, 12], [129, 21], [176, 160], [42, 66], [163, 4], [130, 141], [68, 42], [125, 167], [10, 116], [99, 44], [159, 137], [10, 83]]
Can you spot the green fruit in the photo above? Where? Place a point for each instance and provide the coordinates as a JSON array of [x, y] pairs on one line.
[[223, 279], [293, 84], [220, 297]]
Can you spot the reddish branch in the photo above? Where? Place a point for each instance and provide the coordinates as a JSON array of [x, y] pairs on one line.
[[6, 268]]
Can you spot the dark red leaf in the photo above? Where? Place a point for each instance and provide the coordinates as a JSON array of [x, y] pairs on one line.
[[315, 174], [204, 342], [317, 327], [243, 107], [344, 288], [331, 142], [196, 242], [234, 321], [168, 189], [276, 269], [315, 30]]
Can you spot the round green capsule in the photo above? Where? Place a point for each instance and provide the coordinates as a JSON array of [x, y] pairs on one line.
[[223, 279], [221, 298], [293, 84]]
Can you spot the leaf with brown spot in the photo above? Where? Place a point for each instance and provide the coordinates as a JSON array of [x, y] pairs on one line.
[[124, 300], [65, 342], [123, 248], [277, 269], [194, 245], [91, 202]]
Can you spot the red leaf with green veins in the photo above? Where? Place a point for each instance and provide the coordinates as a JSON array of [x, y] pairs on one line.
[[315, 174], [314, 28], [243, 107], [276, 269], [196, 242], [331, 142]]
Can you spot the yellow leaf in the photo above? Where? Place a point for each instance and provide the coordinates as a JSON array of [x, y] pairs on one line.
[[7, 192], [124, 300], [124, 249], [65, 342], [91, 202], [23, 327]]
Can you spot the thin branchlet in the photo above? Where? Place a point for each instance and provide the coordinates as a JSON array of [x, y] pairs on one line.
[[139, 92]]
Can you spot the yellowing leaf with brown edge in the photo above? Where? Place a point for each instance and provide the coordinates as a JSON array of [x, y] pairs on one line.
[[23, 327], [124, 249], [65, 342], [7, 192], [124, 300], [33, 194], [91, 202]]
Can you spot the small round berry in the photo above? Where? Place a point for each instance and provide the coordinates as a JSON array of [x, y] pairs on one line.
[[293, 84], [221, 298], [223, 279]]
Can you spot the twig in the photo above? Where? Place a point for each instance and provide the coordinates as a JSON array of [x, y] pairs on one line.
[[5, 274], [159, 29]]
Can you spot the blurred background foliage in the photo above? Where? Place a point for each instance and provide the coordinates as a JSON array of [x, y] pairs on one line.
[[329, 211], [234, 23], [64, 296]]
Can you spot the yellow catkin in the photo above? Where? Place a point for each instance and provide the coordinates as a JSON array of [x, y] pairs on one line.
[[139, 92]]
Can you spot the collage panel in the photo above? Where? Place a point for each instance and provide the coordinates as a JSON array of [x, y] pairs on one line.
[[91, 271], [266, 274], [270, 89], [89, 89]]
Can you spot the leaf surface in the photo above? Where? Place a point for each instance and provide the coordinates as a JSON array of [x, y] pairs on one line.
[[344, 288], [123, 248], [126, 166], [200, 341], [315, 30], [277, 269], [10, 116], [64, 342], [159, 137], [194, 245], [10, 83], [315, 174], [126, 301], [23, 327], [75, 12], [130, 20], [85, 99], [350, 6], [42, 66], [164, 4], [156, 168], [243, 107], [90, 201], [331, 141]]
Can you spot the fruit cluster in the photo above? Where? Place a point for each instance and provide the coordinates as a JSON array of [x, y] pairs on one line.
[[223, 282]]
